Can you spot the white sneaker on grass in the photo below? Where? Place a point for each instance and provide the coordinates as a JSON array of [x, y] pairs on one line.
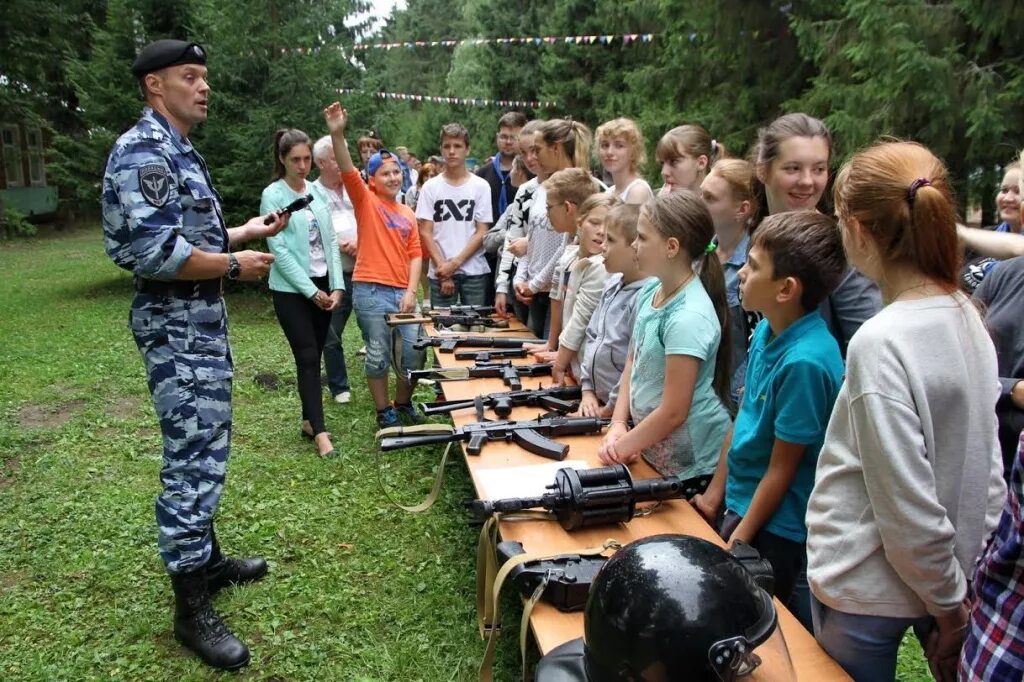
[[343, 397]]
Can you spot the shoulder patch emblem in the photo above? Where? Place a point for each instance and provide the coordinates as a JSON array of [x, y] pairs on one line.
[[154, 184]]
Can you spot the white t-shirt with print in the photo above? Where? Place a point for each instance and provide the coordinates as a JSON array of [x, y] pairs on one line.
[[455, 210]]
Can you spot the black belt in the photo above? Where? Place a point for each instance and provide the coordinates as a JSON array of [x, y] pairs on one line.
[[180, 288]]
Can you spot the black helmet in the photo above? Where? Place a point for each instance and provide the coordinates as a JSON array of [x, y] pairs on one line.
[[673, 607]]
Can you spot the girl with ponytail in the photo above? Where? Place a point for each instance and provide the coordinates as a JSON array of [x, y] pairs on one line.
[[559, 144], [677, 375], [686, 153], [909, 481]]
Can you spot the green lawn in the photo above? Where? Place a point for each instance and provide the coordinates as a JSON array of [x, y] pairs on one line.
[[358, 590]]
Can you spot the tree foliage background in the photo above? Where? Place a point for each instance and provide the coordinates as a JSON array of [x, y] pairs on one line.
[[947, 73]]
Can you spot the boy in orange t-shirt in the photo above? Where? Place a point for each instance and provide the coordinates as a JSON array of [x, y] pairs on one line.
[[387, 270]]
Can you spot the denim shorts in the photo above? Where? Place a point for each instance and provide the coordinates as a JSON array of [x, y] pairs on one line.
[[372, 302]]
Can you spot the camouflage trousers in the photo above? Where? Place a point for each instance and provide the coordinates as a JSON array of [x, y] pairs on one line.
[[184, 345]]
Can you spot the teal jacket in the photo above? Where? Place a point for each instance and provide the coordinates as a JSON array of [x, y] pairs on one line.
[[290, 271]]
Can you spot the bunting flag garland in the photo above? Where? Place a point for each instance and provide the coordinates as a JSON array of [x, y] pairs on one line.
[[607, 39], [463, 101]]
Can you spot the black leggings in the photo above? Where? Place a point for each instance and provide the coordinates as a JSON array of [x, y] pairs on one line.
[[305, 326]]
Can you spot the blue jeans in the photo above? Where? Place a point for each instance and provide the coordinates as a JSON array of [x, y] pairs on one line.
[[469, 290], [334, 350], [372, 302], [865, 646]]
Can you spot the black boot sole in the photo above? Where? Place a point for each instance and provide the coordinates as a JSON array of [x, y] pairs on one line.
[[229, 668]]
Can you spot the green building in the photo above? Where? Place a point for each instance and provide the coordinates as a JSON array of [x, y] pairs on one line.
[[23, 171]]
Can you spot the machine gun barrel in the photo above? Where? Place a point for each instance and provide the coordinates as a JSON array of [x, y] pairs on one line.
[[448, 344], [589, 497]]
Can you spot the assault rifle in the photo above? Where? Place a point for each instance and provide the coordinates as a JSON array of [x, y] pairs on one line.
[[445, 320], [448, 344], [568, 577], [533, 435], [490, 355], [461, 310], [590, 497], [508, 373], [562, 399]]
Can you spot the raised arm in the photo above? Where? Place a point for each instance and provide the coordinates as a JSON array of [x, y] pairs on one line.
[[336, 119]]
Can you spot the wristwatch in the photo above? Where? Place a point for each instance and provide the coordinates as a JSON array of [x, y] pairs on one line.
[[234, 269]]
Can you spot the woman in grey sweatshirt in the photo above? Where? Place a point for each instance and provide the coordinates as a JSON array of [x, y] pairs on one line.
[[909, 480]]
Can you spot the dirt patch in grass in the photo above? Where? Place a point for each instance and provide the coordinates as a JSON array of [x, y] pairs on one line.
[[34, 416], [124, 407], [11, 579], [10, 468]]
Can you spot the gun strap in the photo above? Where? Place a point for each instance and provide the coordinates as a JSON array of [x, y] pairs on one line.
[[418, 429], [435, 488], [490, 580]]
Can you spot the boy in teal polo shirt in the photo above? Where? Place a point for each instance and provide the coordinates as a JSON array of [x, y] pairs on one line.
[[794, 373]]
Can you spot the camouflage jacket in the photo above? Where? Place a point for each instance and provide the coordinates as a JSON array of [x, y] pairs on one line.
[[158, 201]]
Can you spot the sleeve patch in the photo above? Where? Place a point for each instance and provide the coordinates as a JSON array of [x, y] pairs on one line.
[[154, 182]]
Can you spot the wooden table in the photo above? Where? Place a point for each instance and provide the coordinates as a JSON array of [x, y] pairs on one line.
[[552, 627]]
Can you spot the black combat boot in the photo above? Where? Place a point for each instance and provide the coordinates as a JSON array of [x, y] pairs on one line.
[[222, 571], [199, 628]]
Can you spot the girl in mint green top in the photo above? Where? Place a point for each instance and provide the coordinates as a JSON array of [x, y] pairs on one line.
[[677, 375]]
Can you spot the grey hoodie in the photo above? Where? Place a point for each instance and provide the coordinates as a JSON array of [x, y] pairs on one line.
[[608, 337]]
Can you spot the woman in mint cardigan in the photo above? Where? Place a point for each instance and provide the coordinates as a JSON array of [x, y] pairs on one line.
[[306, 280]]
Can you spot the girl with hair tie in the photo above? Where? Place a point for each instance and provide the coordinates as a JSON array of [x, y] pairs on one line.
[[306, 281], [909, 481]]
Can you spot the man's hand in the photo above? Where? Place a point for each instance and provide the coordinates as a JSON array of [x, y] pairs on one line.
[[500, 303], [253, 265], [408, 302], [348, 247], [447, 287], [446, 269], [255, 228], [518, 247], [336, 118]]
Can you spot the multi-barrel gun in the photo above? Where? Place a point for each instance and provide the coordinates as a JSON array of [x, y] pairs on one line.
[[506, 371], [561, 399], [448, 344], [588, 497], [533, 435]]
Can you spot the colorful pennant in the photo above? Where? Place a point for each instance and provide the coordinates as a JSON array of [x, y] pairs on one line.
[[606, 39], [463, 101]]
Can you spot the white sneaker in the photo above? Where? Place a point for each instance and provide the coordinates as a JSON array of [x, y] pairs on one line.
[[343, 397], [361, 351]]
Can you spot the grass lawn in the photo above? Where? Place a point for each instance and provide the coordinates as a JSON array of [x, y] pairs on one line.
[[358, 590]]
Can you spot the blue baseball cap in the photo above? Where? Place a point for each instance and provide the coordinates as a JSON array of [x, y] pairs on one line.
[[378, 159]]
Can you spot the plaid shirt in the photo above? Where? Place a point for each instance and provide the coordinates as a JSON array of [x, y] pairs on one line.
[[994, 649]]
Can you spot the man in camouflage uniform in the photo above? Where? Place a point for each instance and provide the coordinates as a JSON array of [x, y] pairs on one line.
[[162, 221]]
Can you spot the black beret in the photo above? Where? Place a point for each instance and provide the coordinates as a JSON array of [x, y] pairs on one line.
[[163, 53]]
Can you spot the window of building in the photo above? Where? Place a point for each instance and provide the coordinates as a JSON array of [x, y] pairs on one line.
[[36, 167], [10, 150]]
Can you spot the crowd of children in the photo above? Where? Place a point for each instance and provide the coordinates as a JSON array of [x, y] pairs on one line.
[[821, 385]]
